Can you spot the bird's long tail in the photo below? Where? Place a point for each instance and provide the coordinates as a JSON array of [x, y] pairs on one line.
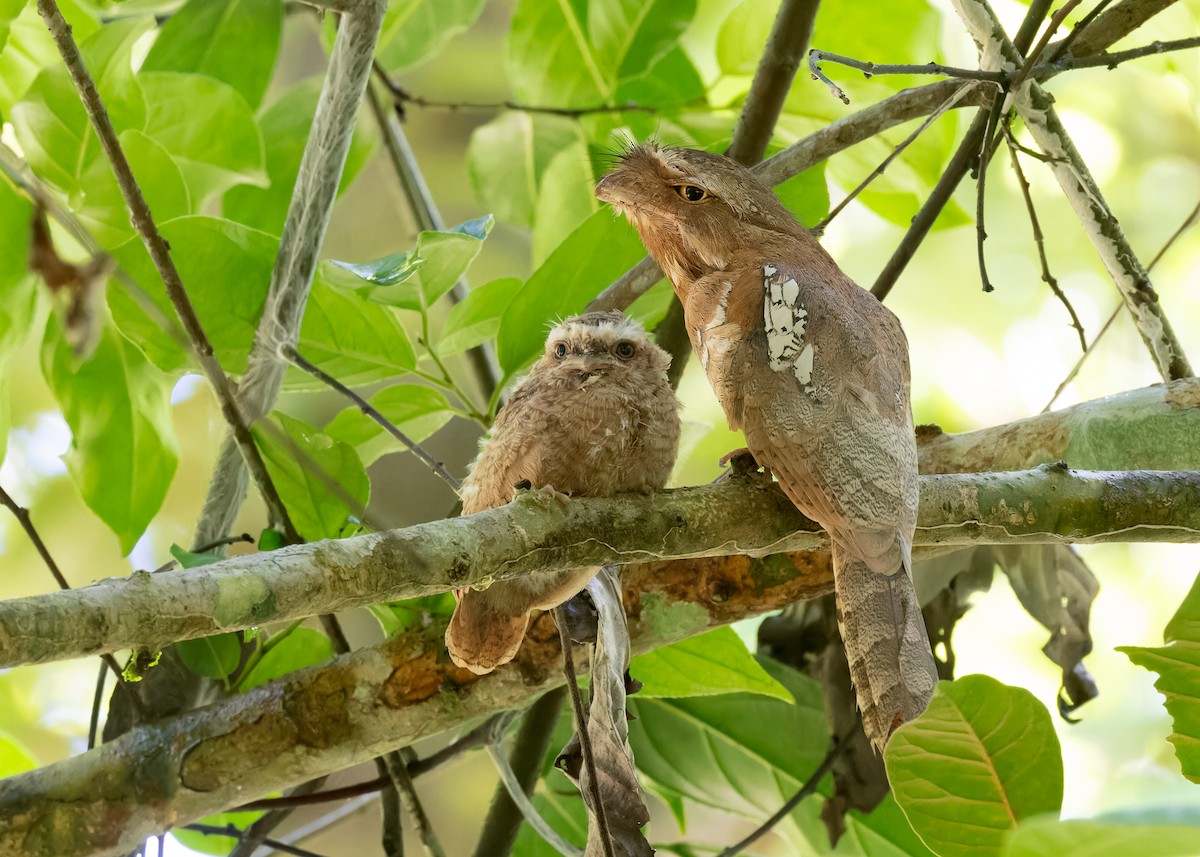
[[887, 647], [482, 635]]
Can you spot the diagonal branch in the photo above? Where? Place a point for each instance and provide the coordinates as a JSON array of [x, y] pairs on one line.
[[242, 448], [303, 234], [1037, 110]]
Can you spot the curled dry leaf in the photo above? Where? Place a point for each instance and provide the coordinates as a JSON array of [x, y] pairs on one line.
[[78, 289], [608, 731]]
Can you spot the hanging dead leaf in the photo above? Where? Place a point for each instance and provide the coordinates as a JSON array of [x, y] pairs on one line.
[[78, 290]]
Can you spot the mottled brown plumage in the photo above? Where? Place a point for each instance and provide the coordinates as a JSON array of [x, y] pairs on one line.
[[815, 371], [594, 417]]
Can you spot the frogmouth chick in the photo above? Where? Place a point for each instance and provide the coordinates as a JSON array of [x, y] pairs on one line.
[[594, 417], [815, 371]]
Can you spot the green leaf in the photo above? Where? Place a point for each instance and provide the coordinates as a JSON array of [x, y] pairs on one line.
[[354, 340], [564, 200], [26, 46], [415, 280], [476, 319], [806, 195], [219, 845], [509, 159], [575, 54], [1049, 837], [564, 811], [18, 295], [50, 122], [213, 657], [982, 758], [123, 448], [396, 617], [739, 753], [594, 255], [415, 410], [417, 30], [211, 255], [189, 559], [285, 126], [290, 651], [233, 41], [14, 759], [1178, 668], [741, 37], [208, 128], [293, 453], [710, 664]]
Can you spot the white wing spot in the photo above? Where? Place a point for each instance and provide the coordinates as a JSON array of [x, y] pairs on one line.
[[785, 320]]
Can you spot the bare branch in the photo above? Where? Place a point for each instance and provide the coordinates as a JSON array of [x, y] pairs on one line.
[[143, 222], [1099, 222], [1109, 28], [303, 233], [870, 69], [294, 356]]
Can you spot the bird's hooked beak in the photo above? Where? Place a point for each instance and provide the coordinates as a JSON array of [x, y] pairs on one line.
[[613, 188]]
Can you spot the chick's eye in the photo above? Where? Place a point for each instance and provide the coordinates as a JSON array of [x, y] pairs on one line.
[[624, 350], [560, 350], [691, 192]]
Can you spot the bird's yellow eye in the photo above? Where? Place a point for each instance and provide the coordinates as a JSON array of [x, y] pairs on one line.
[[624, 350], [691, 192], [560, 350]]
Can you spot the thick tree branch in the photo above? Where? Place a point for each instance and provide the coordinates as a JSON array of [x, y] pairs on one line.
[[533, 534], [1037, 110], [241, 447], [316, 721], [303, 234]]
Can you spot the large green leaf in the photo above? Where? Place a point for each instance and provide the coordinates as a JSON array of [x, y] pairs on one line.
[[594, 255], [416, 30], [123, 447], [208, 128], [226, 269], [315, 476], [26, 46], [564, 811], [564, 199], [14, 759], [214, 657], [575, 54], [707, 665], [233, 41], [415, 410], [1178, 668], [739, 753], [416, 279], [285, 126], [354, 340], [17, 294], [50, 123], [981, 759], [1049, 837], [476, 319], [509, 159]]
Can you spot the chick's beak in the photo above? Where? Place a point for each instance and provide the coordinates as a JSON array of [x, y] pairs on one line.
[[586, 366]]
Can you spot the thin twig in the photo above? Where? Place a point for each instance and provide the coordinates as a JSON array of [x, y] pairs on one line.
[[809, 788], [870, 69], [97, 702], [293, 356], [233, 832], [403, 97], [1112, 60], [581, 729], [985, 152], [1086, 21], [529, 747], [895, 153], [1039, 48], [159, 252], [258, 832], [412, 805], [26, 521], [1183, 227], [528, 810], [1039, 239]]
